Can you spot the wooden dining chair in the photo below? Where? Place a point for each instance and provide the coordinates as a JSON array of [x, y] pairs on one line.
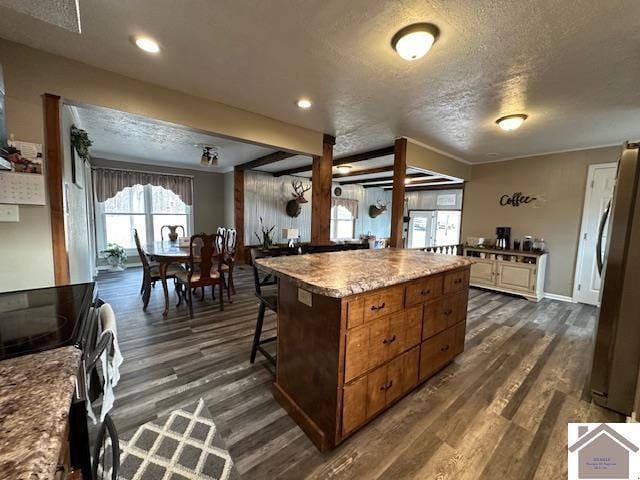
[[170, 228], [151, 272], [204, 268], [230, 243]]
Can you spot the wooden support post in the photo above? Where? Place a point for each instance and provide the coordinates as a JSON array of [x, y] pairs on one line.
[[397, 197], [321, 193], [54, 165], [238, 213]]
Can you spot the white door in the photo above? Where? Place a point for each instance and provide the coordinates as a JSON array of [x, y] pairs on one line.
[[600, 184], [421, 227]]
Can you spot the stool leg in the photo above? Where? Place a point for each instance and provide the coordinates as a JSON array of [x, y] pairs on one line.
[[258, 332]]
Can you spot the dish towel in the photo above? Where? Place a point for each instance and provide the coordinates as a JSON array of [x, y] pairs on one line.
[[110, 359]]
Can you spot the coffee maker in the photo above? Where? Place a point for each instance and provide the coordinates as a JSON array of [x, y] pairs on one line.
[[503, 238]]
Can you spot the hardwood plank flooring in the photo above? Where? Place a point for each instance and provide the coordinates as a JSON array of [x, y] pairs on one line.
[[499, 411]]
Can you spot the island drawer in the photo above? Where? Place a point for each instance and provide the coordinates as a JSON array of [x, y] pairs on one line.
[[439, 350], [424, 290], [370, 394], [377, 342], [443, 313], [383, 302], [456, 281]]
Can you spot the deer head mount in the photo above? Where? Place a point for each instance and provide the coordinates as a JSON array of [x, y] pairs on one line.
[[378, 209], [293, 206]]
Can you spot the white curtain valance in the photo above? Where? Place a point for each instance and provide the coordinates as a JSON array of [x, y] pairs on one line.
[[348, 203], [107, 182]]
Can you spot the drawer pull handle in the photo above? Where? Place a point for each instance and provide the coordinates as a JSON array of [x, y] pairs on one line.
[[425, 292], [388, 341], [378, 307], [457, 281], [386, 386], [448, 312], [445, 348]]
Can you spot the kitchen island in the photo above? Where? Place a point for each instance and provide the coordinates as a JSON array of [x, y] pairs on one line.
[[358, 330]]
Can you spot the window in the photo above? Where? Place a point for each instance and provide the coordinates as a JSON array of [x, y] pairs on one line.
[[343, 225], [146, 208], [434, 228]]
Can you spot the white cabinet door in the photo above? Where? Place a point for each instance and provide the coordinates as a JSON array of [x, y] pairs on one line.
[[516, 276], [482, 272]]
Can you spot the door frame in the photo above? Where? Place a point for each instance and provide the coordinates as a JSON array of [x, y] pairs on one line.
[[587, 200]]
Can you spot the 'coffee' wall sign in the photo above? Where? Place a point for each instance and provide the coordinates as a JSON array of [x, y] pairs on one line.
[[516, 199]]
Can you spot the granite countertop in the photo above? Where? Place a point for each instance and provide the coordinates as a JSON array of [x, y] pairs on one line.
[[340, 274], [35, 397]]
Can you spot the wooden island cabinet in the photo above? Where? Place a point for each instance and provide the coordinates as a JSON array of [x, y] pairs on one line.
[[359, 330]]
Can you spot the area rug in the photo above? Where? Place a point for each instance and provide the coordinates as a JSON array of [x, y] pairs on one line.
[[184, 445]]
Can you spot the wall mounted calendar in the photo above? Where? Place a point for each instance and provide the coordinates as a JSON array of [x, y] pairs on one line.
[[24, 185], [22, 189]]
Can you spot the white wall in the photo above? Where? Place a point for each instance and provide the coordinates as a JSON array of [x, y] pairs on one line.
[[266, 196], [77, 231]]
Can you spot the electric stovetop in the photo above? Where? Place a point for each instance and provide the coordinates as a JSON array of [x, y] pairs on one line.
[[44, 318]]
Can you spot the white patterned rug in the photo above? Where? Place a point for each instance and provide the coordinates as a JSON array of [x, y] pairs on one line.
[[185, 445]]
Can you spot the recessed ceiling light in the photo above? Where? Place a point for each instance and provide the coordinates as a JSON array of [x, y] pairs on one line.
[[304, 103], [414, 41], [343, 169], [511, 122], [147, 44]]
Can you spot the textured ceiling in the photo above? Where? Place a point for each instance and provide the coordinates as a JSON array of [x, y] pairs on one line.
[[573, 66], [62, 13], [122, 136]]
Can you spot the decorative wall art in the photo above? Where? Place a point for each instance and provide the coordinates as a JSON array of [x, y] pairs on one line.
[[294, 206], [80, 144], [378, 209], [519, 199]]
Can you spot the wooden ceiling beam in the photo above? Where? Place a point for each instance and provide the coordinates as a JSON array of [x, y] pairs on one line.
[[357, 157], [266, 160]]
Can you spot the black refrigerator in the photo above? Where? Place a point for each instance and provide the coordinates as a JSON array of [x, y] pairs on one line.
[[616, 356]]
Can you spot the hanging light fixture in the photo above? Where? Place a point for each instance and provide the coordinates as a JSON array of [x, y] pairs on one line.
[[414, 41], [209, 155]]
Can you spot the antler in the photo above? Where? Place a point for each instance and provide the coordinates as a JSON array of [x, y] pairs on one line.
[[298, 189]]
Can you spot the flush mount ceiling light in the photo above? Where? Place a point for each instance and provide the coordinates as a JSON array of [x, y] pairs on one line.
[[511, 122], [209, 155], [407, 181], [343, 169], [304, 103], [414, 41], [147, 44]]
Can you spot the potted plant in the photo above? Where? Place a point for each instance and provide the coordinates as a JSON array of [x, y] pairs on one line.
[[116, 256], [266, 241]]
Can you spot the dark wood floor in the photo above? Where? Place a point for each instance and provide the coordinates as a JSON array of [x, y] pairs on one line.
[[499, 411]]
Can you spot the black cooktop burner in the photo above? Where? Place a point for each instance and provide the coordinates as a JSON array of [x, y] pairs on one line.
[[42, 319]]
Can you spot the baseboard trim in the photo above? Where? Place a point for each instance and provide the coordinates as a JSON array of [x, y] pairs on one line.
[[561, 298]]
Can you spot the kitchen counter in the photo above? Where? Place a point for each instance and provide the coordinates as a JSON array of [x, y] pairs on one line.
[[340, 274], [35, 397]]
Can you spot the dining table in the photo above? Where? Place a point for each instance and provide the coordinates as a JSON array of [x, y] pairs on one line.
[[165, 253]]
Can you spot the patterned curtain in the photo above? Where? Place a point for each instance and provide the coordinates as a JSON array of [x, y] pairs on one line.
[[107, 182], [348, 203]]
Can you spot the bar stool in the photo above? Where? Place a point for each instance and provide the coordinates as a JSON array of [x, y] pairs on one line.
[[266, 301]]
